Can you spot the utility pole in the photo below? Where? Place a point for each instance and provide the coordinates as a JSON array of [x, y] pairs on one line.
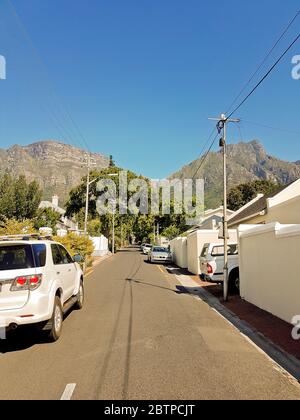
[[113, 232], [222, 126], [87, 194], [88, 183], [113, 218]]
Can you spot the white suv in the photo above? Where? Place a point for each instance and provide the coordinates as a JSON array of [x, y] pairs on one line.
[[39, 283]]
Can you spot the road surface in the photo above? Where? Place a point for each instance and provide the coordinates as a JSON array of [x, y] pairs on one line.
[[140, 336]]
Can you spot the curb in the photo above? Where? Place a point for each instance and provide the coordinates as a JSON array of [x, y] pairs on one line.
[[283, 359]]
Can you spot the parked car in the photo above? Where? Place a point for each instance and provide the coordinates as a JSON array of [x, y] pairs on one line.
[[212, 264], [146, 249], [160, 255], [39, 283]]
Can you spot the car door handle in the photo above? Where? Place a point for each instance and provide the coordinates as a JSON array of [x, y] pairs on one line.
[[58, 273], [70, 270]]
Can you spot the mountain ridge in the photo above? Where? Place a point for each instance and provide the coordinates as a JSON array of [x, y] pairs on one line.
[[56, 166], [247, 161]]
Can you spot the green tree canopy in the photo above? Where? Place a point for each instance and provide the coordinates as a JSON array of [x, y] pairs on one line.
[[244, 193], [46, 217], [18, 199]]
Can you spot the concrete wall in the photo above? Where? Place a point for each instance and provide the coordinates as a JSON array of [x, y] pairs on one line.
[[179, 251], [195, 243], [269, 268], [100, 245]]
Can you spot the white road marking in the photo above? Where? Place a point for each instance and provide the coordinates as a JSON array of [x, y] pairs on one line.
[[68, 392]]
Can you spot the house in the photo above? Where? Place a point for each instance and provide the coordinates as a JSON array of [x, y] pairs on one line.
[[64, 224], [213, 218], [282, 206]]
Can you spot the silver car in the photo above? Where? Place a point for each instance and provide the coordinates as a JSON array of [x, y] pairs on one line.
[[160, 255]]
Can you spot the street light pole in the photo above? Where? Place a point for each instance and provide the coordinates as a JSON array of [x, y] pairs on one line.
[[113, 220], [222, 126], [87, 194]]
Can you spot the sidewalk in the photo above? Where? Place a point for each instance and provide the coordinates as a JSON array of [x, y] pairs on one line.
[[268, 332], [276, 330]]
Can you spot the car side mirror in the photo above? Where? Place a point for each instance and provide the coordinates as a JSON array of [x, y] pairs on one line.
[[78, 258]]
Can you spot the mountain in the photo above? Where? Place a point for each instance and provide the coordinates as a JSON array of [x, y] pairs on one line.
[[56, 166], [246, 162]]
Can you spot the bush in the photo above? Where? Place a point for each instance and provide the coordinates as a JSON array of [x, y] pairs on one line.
[[15, 227], [75, 244]]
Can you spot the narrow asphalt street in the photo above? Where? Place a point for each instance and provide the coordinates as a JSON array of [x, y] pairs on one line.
[[140, 336]]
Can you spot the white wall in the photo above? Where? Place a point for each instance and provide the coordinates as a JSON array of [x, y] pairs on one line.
[[100, 245], [269, 268], [179, 251], [197, 240]]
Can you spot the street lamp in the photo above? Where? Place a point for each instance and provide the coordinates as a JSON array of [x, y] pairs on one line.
[[113, 220]]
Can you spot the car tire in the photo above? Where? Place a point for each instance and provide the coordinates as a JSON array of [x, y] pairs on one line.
[[234, 282], [80, 297], [56, 321]]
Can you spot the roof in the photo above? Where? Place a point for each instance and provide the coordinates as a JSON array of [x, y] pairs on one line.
[[258, 205], [48, 204]]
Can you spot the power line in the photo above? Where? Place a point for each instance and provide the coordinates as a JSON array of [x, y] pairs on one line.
[[265, 76], [272, 128], [204, 157], [264, 60]]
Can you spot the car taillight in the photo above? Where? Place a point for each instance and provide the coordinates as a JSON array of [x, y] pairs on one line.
[[26, 283], [209, 269]]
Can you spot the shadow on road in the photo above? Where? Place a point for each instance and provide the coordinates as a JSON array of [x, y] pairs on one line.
[[21, 339]]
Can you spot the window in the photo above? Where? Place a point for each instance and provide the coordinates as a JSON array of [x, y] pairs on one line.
[[204, 251], [60, 255], [16, 257], [67, 259], [218, 251], [56, 255], [39, 252]]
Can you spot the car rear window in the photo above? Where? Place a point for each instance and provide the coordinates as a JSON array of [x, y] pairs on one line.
[[16, 257], [157, 249], [218, 251]]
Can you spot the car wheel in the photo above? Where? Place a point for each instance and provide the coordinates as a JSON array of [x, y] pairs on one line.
[[234, 283], [56, 321], [80, 297]]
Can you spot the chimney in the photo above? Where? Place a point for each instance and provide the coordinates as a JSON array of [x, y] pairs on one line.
[[55, 200]]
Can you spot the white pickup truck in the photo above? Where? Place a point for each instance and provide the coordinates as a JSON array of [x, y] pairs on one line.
[[212, 264]]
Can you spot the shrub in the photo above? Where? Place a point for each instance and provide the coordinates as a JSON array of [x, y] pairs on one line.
[[15, 227], [76, 244]]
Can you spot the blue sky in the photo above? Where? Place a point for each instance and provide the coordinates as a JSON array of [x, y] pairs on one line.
[[141, 77]]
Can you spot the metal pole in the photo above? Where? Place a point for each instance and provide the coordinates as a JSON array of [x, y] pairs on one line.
[[113, 233], [87, 195], [222, 125], [225, 222]]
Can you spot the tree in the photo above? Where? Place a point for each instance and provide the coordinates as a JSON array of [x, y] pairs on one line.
[[111, 162], [244, 193], [47, 217], [18, 199], [171, 232]]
